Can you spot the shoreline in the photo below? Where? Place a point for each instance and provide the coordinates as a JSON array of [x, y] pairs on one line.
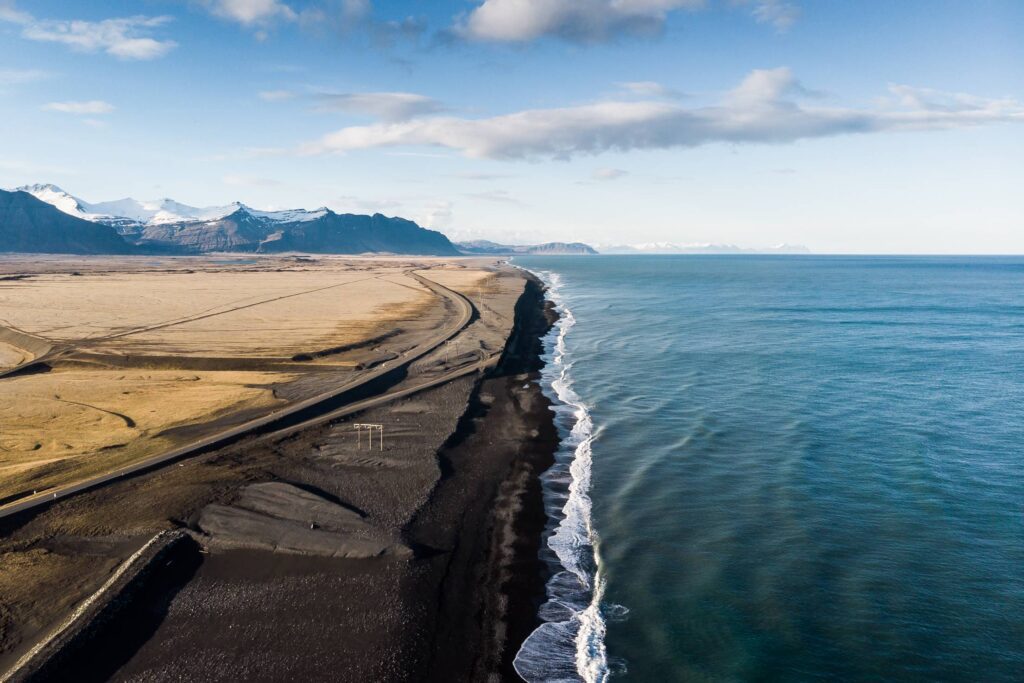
[[458, 610], [508, 580]]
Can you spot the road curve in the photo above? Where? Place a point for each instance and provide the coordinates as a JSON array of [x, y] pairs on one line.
[[465, 313]]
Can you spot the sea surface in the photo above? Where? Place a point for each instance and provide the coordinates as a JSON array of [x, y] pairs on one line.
[[784, 468]]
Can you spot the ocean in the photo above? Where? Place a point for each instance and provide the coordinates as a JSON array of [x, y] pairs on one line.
[[784, 468]]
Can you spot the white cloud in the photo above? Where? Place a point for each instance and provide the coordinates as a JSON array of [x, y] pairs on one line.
[[10, 13], [91, 108], [780, 14], [766, 107], [436, 215], [389, 106], [608, 174], [251, 12], [587, 21], [766, 87], [576, 20], [937, 100], [276, 95], [125, 38], [21, 76]]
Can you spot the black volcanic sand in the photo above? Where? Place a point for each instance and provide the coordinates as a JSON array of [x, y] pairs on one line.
[[457, 482]]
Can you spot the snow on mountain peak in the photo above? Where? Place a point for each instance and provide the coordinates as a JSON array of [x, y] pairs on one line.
[[156, 212], [51, 194], [40, 187]]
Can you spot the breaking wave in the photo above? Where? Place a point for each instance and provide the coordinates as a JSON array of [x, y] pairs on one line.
[[569, 645]]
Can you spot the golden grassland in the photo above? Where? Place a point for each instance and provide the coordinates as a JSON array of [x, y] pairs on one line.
[[11, 355], [90, 421], [208, 313], [145, 346]]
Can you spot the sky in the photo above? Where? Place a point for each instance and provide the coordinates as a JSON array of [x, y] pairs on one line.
[[848, 127]]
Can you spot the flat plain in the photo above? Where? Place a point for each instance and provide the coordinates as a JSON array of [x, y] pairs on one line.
[[85, 381], [109, 360]]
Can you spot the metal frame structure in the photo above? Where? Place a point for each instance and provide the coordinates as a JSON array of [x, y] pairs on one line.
[[360, 426]]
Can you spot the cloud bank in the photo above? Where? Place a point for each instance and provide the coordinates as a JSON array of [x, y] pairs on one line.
[[768, 106]]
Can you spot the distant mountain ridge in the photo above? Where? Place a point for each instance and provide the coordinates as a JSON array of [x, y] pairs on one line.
[[486, 247], [170, 227], [672, 248]]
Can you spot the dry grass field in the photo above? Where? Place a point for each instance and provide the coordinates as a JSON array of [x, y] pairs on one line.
[[11, 355], [151, 353]]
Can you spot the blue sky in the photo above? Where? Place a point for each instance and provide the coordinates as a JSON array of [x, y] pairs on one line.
[[845, 126]]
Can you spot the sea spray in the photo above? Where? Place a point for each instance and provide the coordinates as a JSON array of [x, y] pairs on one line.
[[569, 646]]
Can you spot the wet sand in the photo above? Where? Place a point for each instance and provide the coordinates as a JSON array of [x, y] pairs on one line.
[[456, 484]]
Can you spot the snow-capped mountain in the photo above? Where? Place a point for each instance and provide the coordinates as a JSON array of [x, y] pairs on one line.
[[126, 212], [53, 195], [159, 211], [287, 216], [169, 227], [121, 211]]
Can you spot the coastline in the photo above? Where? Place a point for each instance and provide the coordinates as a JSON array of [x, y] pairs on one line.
[[496, 563], [568, 644], [458, 610]]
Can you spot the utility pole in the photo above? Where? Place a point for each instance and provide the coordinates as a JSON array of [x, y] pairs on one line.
[[447, 345]]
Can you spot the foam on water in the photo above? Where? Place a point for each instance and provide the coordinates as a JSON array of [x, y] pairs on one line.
[[569, 646]]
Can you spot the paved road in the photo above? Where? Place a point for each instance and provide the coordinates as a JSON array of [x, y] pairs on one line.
[[483, 364], [465, 313]]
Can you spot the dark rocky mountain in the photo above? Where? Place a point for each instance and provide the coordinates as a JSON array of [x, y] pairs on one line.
[[355, 234], [33, 226], [486, 247], [239, 231], [327, 233], [29, 224]]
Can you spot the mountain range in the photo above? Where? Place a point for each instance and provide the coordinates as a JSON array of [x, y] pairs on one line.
[[45, 218], [486, 247], [673, 248]]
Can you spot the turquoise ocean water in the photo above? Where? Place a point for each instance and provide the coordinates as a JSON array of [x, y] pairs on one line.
[[785, 468]]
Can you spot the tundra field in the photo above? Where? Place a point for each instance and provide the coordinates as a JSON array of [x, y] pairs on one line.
[[104, 361]]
